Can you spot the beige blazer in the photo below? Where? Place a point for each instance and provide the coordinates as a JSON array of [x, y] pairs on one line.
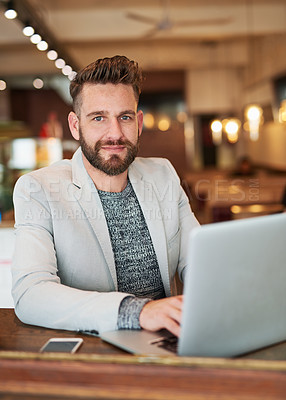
[[63, 269]]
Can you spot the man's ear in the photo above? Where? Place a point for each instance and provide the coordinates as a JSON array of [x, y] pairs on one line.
[[140, 121], [74, 125]]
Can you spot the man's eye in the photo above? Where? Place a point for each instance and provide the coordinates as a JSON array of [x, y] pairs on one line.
[[126, 117], [98, 118]]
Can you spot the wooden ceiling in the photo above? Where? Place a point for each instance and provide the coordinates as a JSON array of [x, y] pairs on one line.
[[161, 35]]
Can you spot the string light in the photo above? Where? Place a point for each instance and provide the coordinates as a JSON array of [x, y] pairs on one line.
[[42, 45], [28, 30], [60, 63], [52, 55], [72, 75], [10, 12], [3, 85], [67, 70], [35, 38], [38, 83]]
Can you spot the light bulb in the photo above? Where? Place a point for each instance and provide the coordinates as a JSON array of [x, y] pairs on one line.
[[38, 83], [216, 126], [72, 75], [10, 13], [3, 85], [60, 63], [28, 30], [42, 45], [52, 55], [67, 70], [253, 113], [35, 39]]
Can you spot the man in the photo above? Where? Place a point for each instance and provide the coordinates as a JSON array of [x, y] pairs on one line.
[[100, 237]]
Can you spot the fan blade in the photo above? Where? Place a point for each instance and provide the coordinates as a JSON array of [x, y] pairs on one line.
[[142, 18], [150, 33], [215, 21]]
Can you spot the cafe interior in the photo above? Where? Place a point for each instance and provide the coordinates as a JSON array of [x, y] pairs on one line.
[[214, 92], [214, 95]]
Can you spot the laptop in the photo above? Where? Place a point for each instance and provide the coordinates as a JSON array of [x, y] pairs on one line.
[[234, 292]]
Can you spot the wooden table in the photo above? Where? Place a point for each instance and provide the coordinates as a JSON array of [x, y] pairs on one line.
[[101, 371]]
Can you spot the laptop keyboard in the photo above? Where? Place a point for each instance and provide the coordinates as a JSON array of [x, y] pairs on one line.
[[169, 343]]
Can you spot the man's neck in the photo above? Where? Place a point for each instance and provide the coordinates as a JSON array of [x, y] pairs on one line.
[[106, 182]]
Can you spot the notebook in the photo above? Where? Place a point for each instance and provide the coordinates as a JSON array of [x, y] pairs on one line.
[[234, 292]]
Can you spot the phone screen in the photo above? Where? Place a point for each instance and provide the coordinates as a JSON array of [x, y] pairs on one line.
[[62, 345]]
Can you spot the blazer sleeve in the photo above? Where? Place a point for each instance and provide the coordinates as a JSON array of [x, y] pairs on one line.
[[39, 296]]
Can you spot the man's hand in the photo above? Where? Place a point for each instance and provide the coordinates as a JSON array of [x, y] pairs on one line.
[[164, 313]]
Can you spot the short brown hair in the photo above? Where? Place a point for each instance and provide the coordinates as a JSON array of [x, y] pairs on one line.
[[117, 69]]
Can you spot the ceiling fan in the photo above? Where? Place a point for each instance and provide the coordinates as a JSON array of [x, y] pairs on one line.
[[166, 23]]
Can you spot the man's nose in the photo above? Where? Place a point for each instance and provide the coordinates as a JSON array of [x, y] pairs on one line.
[[115, 131]]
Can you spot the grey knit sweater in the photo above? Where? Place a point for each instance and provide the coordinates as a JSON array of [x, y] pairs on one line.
[[135, 259]]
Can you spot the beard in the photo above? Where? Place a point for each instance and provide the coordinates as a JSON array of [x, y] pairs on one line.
[[114, 165]]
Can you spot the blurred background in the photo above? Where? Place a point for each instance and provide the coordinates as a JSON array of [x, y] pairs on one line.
[[214, 94]]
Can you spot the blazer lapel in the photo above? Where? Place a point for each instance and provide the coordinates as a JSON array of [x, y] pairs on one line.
[[152, 212], [88, 198]]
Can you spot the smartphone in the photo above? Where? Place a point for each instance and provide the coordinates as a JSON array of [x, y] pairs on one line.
[[62, 345]]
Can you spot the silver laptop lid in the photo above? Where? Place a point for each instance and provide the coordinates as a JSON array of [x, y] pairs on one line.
[[235, 288]]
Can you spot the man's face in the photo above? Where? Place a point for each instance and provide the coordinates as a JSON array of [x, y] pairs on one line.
[[109, 126]]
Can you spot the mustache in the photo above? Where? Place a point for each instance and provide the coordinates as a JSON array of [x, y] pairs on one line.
[[119, 142]]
